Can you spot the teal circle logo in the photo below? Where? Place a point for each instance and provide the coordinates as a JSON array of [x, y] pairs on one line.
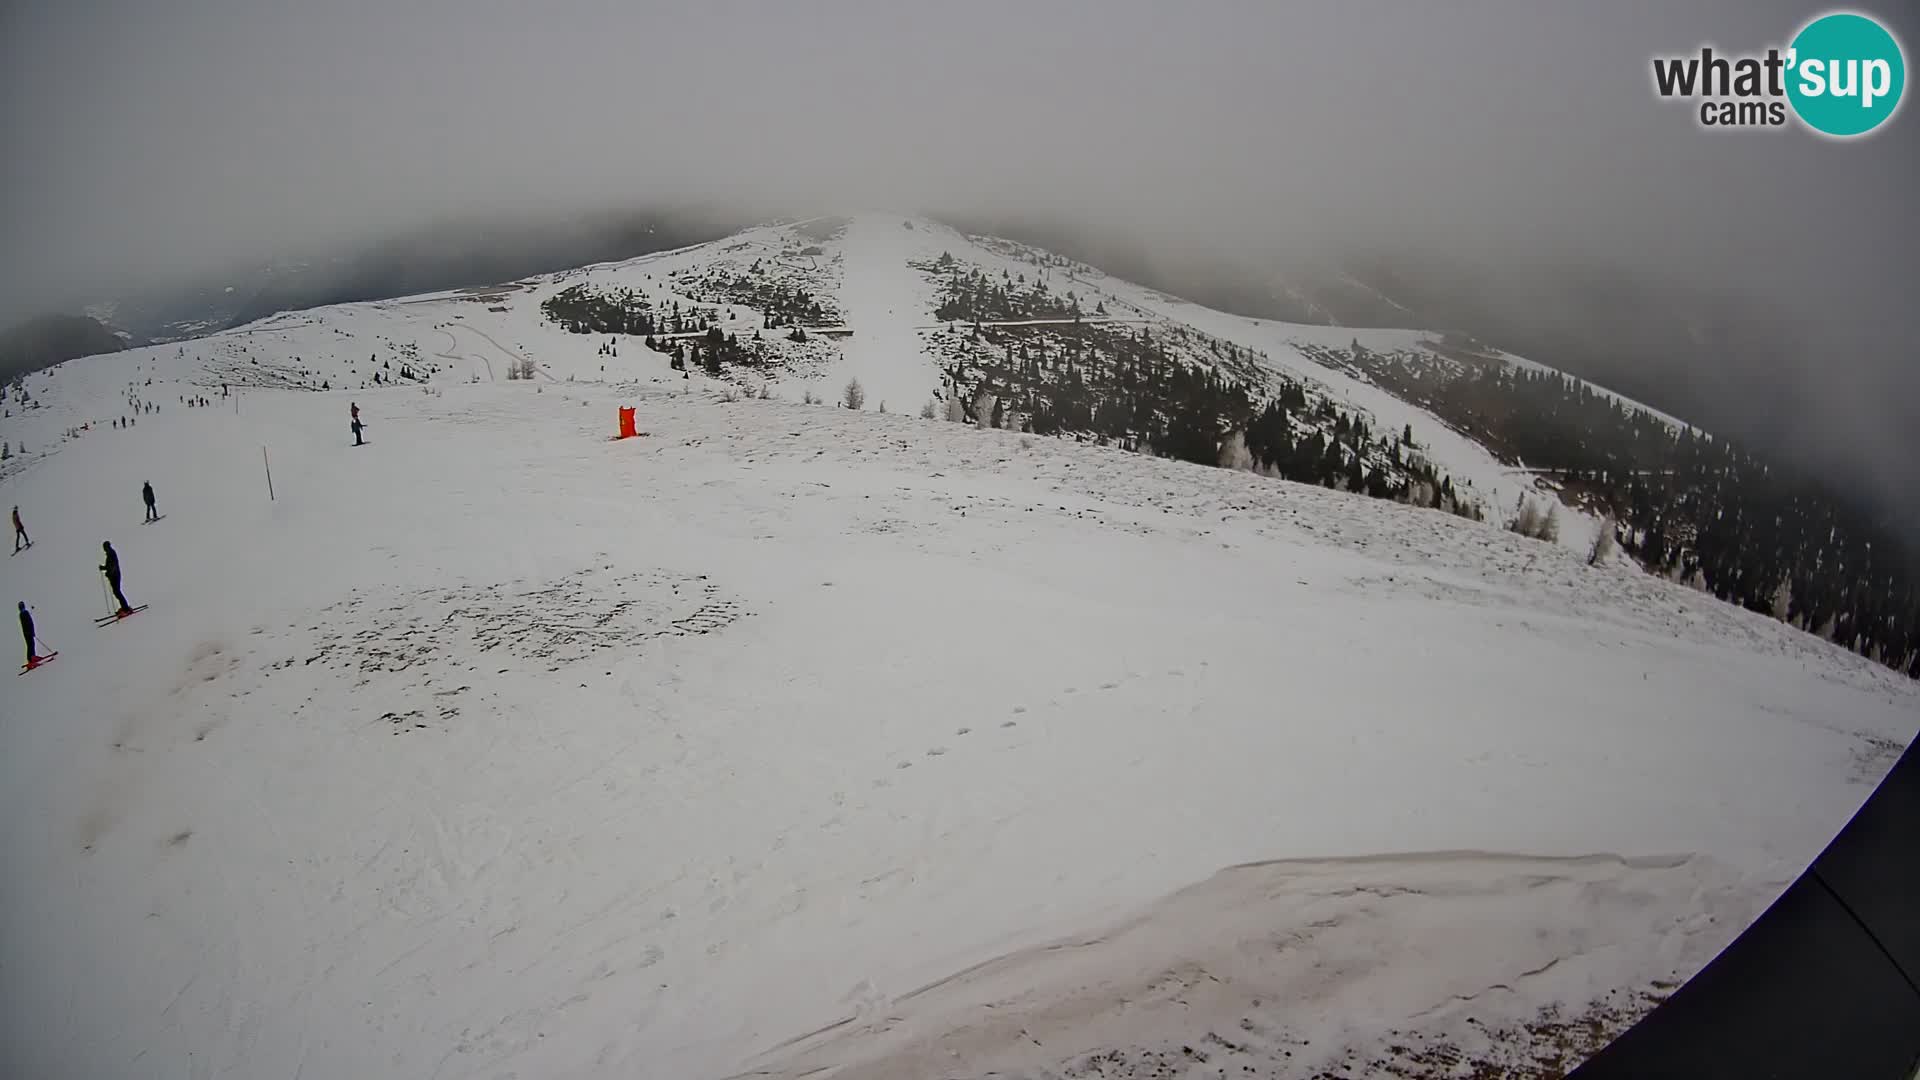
[[1845, 75]]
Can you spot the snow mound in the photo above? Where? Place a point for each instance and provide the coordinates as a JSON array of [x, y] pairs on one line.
[[1289, 968]]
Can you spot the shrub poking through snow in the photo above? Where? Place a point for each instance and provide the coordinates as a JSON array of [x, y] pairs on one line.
[[1603, 544], [1536, 521]]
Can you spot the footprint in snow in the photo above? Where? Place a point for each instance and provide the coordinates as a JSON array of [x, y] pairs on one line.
[[936, 751]]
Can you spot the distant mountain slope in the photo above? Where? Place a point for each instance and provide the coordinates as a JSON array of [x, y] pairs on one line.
[[1660, 342], [53, 339], [928, 320], [470, 255], [452, 255]]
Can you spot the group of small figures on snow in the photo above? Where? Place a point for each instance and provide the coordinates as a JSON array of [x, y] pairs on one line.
[[109, 570]]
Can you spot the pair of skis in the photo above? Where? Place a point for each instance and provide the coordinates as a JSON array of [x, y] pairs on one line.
[[109, 620], [102, 621]]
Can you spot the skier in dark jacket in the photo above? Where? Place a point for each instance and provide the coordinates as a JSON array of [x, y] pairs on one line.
[[20, 537], [146, 492], [26, 631], [111, 568], [357, 441]]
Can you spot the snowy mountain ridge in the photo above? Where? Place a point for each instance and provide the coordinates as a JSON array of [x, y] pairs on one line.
[[882, 283], [930, 321]]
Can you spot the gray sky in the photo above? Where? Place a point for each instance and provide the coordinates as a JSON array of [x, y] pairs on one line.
[[145, 139], [150, 136]]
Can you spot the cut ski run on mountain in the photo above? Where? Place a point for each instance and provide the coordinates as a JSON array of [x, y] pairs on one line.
[[794, 740]]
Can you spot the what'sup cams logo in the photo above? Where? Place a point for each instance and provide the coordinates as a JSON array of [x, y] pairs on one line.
[[1842, 76]]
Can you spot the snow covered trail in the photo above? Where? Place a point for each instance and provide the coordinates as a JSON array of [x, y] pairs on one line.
[[497, 747], [886, 303]]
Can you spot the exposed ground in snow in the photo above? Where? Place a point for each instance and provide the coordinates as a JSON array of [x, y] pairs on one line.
[[494, 747]]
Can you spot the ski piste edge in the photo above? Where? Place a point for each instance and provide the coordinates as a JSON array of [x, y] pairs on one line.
[[38, 663], [109, 620]]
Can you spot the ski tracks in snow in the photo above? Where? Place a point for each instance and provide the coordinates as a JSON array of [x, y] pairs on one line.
[[533, 796], [885, 301]]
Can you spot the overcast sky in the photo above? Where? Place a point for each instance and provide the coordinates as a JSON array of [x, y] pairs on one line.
[[146, 138]]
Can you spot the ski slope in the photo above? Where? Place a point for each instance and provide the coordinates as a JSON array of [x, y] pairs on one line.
[[887, 304], [790, 741], [863, 264]]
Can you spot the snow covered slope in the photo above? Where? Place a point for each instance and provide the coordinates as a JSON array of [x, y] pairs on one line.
[[495, 747], [874, 281]]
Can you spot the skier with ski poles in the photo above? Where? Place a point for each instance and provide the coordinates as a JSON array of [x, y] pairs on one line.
[[111, 568], [26, 631], [20, 537], [146, 492]]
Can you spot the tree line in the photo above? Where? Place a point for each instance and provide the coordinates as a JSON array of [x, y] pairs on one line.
[[970, 295], [584, 309], [1704, 510], [781, 305], [1141, 390]]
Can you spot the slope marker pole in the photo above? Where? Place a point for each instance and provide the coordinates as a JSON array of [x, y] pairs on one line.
[[269, 468]]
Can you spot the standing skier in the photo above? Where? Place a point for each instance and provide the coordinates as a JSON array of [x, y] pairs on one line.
[[111, 568], [20, 537], [146, 492], [26, 631]]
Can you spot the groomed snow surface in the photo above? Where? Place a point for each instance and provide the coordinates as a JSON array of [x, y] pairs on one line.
[[789, 741]]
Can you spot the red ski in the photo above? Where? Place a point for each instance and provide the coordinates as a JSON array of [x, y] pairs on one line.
[[108, 620], [38, 661]]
